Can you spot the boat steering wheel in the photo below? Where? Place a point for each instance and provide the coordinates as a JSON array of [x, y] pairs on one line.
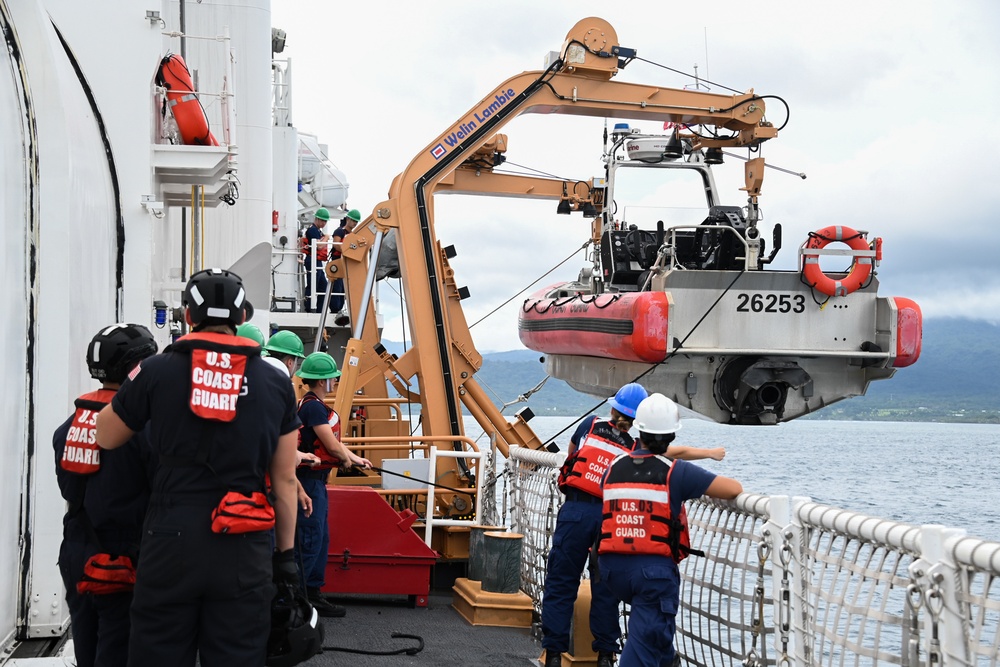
[[639, 242]]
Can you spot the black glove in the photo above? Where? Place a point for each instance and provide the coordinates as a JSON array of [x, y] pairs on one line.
[[285, 572]]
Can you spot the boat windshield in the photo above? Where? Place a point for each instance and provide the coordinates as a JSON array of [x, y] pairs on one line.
[[645, 194]]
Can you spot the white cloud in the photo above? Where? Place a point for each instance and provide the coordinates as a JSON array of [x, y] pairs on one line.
[[892, 118]]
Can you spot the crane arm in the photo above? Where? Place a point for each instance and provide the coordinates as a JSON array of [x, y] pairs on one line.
[[579, 82]]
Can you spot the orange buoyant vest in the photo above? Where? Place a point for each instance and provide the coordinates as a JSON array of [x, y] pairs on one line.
[[327, 461], [81, 454], [637, 517], [585, 467], [218, 365]]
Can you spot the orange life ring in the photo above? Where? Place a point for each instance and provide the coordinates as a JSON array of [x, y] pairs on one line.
[[861, 269], [192, 123]]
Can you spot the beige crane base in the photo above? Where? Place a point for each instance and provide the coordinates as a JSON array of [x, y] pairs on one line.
[[479, 607]]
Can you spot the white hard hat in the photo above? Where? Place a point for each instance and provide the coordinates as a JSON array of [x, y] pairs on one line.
[[657, 414], [278, 364]]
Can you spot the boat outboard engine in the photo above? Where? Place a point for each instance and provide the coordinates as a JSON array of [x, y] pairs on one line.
[[754, 389]]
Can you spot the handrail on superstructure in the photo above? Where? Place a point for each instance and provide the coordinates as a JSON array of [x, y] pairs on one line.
[[673, 242]]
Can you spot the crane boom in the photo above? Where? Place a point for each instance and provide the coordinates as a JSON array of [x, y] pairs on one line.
[[444, 358]]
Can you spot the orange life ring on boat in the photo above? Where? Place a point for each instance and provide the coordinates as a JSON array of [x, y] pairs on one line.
[[192, 123], [860, 271]]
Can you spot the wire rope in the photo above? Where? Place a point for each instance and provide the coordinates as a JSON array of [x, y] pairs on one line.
[[653, 367]]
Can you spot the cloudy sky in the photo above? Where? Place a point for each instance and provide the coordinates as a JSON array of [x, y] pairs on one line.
[[893, 118]]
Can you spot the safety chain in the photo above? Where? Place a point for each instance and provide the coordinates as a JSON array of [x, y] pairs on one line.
[[935, 605], [785, 597], [931, 598], [914, 600], [755, 659]]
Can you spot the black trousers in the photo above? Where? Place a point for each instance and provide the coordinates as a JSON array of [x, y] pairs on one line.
[[100, 623], [199, 593]]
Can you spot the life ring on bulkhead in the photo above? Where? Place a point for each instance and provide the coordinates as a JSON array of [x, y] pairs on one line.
[[192, 123], [861, 268]]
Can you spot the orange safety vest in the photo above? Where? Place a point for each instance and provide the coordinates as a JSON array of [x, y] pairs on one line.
[[322, 249], [584, 468], [82, 455], [327, 461], [218, 365], [637, 518]]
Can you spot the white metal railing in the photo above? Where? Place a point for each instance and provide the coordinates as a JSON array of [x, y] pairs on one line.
[[281, 92], [226, 94], [315, 297], [433, 453], [788, 581]]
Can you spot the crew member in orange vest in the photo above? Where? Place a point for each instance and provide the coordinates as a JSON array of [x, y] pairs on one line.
[[223, 425], [106, 495], [320, 435], [644, 531]]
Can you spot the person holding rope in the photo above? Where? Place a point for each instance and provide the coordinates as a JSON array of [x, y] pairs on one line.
[[594, 444], [320, 435]]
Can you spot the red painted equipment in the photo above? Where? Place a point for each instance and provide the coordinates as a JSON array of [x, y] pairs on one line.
[[909, 332], [625, 325], [373, 549]]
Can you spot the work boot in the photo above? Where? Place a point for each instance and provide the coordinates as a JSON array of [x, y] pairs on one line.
[[553, 659], [324, 608], [605, 659]]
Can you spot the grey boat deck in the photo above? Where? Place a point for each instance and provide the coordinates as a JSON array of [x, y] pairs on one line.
[[449, 641]]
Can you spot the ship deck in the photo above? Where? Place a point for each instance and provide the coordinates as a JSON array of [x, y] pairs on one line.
[[449, 641]]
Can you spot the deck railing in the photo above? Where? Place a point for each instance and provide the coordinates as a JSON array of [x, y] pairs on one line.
[[786, 581]]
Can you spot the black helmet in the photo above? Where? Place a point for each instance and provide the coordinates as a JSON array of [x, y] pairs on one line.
[[215, 296], [116, 349], [296, 633]]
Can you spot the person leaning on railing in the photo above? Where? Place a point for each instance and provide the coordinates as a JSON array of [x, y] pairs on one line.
[[347, 225], [644, 533], [315, 277], [592, 447]]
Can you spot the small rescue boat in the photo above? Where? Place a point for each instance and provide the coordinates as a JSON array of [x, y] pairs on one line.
[[690, 310]]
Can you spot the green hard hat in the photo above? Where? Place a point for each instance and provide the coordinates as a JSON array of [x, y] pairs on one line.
[[250, 331], [322, 213], [354, 215], [286, 342], [319, 366]]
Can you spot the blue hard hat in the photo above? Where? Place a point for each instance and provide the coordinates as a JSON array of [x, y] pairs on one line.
[[628, 399]]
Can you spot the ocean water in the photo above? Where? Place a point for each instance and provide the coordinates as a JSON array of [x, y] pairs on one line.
[[916, 472]]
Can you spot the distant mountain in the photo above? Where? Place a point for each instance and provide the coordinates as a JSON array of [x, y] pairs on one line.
[[957, 378]]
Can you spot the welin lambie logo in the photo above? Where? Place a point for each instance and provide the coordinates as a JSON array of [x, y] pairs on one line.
[[467, 127]]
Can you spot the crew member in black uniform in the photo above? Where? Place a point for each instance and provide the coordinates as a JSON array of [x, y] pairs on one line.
[[106, 496], [220, 419]]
